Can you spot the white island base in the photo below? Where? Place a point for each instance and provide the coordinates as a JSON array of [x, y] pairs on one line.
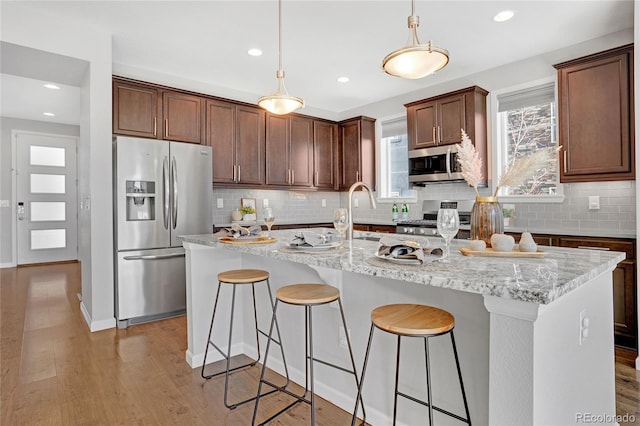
[[523, 363]]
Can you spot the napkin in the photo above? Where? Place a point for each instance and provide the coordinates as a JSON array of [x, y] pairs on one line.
[[408, 249], [237, 231], [313, 239]]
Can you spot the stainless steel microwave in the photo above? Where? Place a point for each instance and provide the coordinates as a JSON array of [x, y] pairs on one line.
[[436, 164]]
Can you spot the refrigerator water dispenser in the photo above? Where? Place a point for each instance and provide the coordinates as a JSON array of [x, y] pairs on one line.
[[141, 200]]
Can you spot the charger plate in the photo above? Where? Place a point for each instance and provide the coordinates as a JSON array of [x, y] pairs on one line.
[[489, 252], [258, 240]]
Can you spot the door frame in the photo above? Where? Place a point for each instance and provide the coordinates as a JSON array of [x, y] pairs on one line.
[[14, 188]]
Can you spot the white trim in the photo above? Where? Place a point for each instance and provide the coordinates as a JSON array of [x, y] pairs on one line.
[[381, 155], [497, 154], [7, 265], [96, 325], [391, 200]]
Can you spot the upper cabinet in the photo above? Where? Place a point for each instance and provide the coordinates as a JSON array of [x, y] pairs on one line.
[[438, 120], [149, 111], [357, 149], [595, 98], [325, 155], [289, 155], [236, 136]]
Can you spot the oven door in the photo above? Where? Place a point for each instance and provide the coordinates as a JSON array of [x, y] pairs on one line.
[[416, 230]]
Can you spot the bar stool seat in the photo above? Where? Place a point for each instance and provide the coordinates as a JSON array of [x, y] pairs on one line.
[[307, 295], [411, 320], [234, 278]]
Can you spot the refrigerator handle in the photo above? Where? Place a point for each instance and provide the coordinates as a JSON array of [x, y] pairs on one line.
[[165, 192], [174, 184]]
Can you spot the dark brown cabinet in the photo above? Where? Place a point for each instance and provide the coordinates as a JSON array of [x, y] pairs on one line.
[[135, 110], [149, 111], [624, 285], [289, 155], [183, 117], [236, 135], [357, 149], [438, 120], [325, 158], [596, 124]]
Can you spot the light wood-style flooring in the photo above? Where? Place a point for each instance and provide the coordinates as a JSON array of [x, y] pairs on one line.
[[55, 372]]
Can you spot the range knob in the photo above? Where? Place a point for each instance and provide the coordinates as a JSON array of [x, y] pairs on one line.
[[422, 231], [409, 230]]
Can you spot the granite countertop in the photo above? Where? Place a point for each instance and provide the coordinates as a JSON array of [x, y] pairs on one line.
[[306, 222], [537, 280]]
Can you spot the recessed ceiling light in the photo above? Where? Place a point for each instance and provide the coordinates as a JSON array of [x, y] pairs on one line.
[[255, 52], [505, 15], [51, 86], [343, 79], [49, 114]]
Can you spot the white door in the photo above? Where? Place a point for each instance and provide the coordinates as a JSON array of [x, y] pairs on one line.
[[46, 193]]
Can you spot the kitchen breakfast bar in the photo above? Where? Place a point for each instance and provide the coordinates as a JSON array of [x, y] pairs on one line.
[[534, 335]]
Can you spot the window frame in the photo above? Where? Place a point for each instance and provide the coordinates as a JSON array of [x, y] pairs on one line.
[[498, 149], [382, 166]]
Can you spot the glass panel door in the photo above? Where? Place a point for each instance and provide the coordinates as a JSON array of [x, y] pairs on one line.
[[47, 229]]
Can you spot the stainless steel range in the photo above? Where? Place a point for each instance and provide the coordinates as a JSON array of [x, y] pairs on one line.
[[427, 226]]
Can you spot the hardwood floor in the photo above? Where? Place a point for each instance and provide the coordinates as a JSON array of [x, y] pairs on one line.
[[55, 372]]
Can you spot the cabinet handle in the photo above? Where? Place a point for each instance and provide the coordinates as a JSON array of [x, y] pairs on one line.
[[155, 126], [238, 173], [434, 135], [315, 178], [439, 136], [594, 248], [166, 128], [234, 172], [550, 241], [564, 153], [293, 176]]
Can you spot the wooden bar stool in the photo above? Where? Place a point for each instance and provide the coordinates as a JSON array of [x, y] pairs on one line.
[[410, 320], [307, 295], [234, 278]]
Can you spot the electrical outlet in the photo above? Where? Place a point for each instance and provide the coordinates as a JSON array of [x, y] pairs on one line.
[[220, 202], [355, 203], [594, 202], [324, 203], [265, 203], [343, 337], [583, 326]]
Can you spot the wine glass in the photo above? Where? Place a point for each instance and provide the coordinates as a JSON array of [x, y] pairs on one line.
[[269, 218], [448, 225], [341, 221]]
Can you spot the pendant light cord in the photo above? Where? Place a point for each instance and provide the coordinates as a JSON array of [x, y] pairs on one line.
[[280, 34]]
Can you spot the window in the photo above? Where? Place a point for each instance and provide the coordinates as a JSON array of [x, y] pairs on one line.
[[394, 163], [526, 122]]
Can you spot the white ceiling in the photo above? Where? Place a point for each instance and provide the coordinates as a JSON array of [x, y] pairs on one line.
[[207, 41]]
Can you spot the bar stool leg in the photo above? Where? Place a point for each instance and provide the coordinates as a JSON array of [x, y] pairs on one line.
[[426, 352], [395, 394], [464, 395], [266, 355], [206, 350], [364, 369], [228, 356], [313, 411], [353, 363], [279, 341]]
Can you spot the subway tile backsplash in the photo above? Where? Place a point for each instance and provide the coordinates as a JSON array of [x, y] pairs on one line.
[[616, 214]]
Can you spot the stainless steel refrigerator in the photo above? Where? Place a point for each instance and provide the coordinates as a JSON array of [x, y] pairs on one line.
[[162, 190]]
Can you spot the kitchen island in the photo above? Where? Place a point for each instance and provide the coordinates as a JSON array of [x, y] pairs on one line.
[[534, 335]]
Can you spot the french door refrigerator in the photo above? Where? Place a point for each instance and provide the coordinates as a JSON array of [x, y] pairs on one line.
[[162, 190]]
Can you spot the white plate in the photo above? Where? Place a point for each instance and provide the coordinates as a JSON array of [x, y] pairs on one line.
[[399, 261], [320, 247]]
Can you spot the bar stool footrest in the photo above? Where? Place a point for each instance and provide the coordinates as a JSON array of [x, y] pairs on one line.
[[426, 404], [250, 364]]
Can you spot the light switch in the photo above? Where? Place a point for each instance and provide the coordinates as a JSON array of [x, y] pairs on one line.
[[594, 202], [5, 203], [220, 202], [324, 203]]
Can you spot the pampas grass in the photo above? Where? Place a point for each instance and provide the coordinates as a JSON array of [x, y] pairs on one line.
[[470, 162], [523, 168]]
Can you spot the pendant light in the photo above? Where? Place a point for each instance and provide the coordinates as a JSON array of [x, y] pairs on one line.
[[280, 102], [415, 60]]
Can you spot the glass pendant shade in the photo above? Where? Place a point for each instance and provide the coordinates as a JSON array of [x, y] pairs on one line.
[[280, 102], [415, 60]]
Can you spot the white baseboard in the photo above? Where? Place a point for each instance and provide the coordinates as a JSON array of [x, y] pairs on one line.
[[104, 324], [7, 265], [196, 360]]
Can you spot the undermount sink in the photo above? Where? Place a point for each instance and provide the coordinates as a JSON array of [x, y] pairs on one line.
[[367, 238]]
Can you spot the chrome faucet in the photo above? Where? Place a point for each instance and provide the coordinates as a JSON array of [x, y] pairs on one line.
[[349, 201]]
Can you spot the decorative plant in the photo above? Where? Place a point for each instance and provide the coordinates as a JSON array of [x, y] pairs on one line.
[[507, 213], [470, 162], [247, 210]]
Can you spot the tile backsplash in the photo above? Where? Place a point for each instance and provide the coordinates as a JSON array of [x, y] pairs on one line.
[[617, 212]]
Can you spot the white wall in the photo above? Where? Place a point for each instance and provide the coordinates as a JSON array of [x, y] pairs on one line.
[[24, 25]]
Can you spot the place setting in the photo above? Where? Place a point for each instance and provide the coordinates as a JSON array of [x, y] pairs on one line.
[[320, 242], [253, 234]]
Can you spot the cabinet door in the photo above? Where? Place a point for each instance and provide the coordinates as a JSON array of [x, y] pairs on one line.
[[182, 117], [422, 125], [250, 151], [135, 110], [624, 305], [324, 155], [278, 171], [350, 141], [368, 152], [595, 117], [220, 136], [451, 118], [301, 151]]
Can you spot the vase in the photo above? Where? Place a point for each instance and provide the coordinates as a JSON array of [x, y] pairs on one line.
[[486, 219]]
